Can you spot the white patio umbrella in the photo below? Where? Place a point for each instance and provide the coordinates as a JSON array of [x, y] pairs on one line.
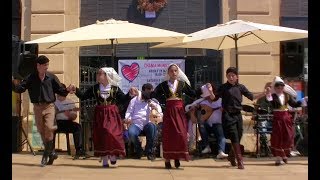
[[108, 32], [234, 34]]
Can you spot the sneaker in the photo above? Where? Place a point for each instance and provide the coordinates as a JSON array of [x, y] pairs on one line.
[[277, 163], [222, 155], [113, 160], [206, 150], [151, 157], [105, 163], [294, 153]]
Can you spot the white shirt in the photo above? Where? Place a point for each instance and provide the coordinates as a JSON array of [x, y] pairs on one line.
[[138, 111], [215, 117], [281, 98], [269, 97], [104, 91], [64, 105], [173, 86]]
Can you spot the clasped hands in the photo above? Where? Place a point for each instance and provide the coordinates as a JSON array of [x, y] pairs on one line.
[[71, 89]]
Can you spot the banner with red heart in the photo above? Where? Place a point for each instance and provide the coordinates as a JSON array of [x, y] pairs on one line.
[[130, 72]]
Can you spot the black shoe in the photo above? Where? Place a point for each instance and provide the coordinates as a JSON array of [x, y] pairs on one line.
[[285, 160], [46, 152], [277, 163], [44, 160], [177, 163], [167, 165], [113, 162], [137, 156], [53, 156], [51, 151], [151, 157]]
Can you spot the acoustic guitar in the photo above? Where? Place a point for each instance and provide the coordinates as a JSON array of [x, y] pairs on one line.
[[204, 112]]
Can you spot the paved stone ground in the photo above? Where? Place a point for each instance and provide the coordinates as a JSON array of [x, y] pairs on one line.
[[26, 166]]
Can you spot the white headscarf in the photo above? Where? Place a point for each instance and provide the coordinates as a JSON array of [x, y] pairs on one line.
[[112, 76], [181, 75], [288, 89]]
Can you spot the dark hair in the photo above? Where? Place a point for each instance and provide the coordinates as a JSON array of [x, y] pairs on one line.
[[214, 89], [277, 84], [147, 86], [42, 59], [232, 70], [63, 85]]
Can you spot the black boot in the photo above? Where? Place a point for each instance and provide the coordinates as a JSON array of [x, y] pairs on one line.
[[237, 151], [52, 154], [80, 153], [231, 157], [167, 165], [45, 155], [176, 163]]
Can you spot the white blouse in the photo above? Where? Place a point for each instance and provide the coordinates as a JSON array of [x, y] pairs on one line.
[[104, 91], [173, 86]]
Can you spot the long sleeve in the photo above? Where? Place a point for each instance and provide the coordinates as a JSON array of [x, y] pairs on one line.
[[294, 103], [246, 92], [159, 109], [85, 95], [189, 91], [121, 97], [57, 88], [130, 109], [158, 93], [22, 86]]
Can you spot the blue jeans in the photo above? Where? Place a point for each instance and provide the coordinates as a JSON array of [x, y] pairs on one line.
[[217, 130], [149, 130]]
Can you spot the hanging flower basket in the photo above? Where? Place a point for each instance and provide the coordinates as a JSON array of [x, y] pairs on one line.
[[147, 5]]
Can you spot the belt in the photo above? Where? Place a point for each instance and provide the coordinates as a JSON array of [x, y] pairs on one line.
[[280, 110]]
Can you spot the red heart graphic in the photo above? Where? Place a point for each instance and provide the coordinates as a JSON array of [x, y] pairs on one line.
[[130, 72]]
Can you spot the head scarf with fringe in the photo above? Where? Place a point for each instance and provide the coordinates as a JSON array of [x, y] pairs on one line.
[[287, 89], [112, 76], [181, 75]]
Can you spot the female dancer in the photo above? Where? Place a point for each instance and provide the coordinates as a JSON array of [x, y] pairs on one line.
[[175, 125], [282, 136], [107, 126]]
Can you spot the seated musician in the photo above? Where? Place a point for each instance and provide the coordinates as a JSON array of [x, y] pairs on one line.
[[65, 116], [264, 103], [212, 125], [264, 106], [138, 119]]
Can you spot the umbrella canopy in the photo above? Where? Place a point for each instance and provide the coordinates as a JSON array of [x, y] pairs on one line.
[[103, 32], [234, 34], [108, 32]]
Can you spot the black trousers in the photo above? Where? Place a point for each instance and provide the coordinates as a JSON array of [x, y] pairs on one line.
[[74, 128], [232, 124]]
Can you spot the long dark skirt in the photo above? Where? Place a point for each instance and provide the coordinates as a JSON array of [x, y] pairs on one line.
[[282, 133], [108, 131], [174, 131]]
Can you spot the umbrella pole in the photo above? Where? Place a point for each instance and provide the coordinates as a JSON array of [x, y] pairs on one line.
[[112, 53], [236, 49]]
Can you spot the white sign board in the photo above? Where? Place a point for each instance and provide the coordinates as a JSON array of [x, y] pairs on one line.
[[135, 73]]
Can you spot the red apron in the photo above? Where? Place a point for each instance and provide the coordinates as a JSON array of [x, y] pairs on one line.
[[174, 131], [282, 133], [108, 131]]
